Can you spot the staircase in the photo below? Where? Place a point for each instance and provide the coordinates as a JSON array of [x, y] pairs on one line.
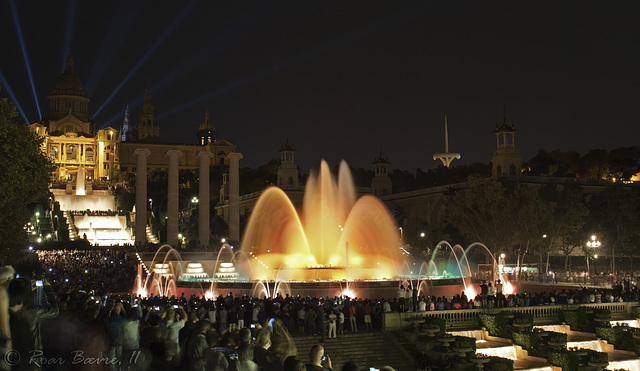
[[367, 349], [70, 225]]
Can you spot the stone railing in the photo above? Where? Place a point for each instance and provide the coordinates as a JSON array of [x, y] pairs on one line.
[[463, 318]]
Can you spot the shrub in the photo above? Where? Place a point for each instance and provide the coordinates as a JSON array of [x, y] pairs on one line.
[[598, 357], [557, 337], [568, 361], [499, 364], [496, 324], [636, 312], [431, 321], [604, 314], [616, 336], [576, 318], [527, 340], [465, 342]]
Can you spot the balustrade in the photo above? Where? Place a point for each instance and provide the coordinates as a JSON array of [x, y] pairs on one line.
[[462, 318]]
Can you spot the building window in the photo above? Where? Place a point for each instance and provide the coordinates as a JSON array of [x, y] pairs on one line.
[[71, 152], [88, 154], [53, 153]]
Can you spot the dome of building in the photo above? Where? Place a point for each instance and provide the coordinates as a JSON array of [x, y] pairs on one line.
[[68, 83]]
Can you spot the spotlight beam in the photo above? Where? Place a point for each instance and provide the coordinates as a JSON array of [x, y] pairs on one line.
[[67, 43], [369, 29], [16, 21], [127, 13], [148, 54], [217, 45], [4, 84]]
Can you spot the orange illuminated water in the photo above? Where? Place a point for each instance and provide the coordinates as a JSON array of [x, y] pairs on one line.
[[335, 237]]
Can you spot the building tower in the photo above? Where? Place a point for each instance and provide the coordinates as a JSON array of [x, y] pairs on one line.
[[288, 171], [124, 130], [446, 157], [381, 184], [206, 132], [148, 129], [506, 158]]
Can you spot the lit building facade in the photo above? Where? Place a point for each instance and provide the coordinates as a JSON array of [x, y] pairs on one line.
[[72, 143]]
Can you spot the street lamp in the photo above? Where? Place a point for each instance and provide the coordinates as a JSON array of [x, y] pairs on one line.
[[593, 243]]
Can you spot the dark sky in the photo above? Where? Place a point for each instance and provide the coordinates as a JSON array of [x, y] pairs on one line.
[[343, 79]]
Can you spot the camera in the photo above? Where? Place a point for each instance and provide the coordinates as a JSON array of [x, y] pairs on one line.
[[175, 306], [253, 325]]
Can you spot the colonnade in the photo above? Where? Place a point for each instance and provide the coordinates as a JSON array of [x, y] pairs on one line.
[[204, 193]]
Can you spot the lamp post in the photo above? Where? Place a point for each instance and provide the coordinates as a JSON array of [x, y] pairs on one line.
[[593, 243]]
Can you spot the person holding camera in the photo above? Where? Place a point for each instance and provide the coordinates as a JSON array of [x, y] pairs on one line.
[[318, 361], [25, 316]]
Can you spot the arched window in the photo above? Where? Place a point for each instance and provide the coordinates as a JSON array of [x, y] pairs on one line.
[[53, 153], [290, 181], [512, 170], [88, 154], [71, 152], [499, 171]]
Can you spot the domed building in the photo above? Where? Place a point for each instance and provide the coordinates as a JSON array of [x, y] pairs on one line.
[[70, 138], [74, 145]]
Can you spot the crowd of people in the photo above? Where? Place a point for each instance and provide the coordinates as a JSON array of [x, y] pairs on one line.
[[78, 314]]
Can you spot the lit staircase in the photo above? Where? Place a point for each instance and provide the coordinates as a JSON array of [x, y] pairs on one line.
[[70, 225], [151, 238]]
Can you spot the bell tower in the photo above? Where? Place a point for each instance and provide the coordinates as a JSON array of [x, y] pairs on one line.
[[381, 184], [148, 128], [506, 159], [288, 171]]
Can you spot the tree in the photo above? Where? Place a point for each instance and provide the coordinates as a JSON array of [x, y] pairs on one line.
[[25, 177], [568, 218], [532, 223], [614, 219], [484, 211]]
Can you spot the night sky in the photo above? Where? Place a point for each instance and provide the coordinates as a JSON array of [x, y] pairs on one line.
[[342, 79]]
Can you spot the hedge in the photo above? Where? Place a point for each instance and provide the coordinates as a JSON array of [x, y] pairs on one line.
[[616, 336], [527, 340], [440, 322], [576, 318], [466, 342], [499, 364], [568, 361], [496, 324]]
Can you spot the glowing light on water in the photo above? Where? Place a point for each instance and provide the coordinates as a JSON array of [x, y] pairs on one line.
[[508, 288], [349, 293]]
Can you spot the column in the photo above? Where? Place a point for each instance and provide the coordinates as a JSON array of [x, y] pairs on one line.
[[234, 197], [205, 198], [141, 195], [172, 197]]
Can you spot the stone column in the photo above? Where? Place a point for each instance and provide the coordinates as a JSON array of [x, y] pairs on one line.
[[141, 195], [172, 197], [204, 198], [234, 197]]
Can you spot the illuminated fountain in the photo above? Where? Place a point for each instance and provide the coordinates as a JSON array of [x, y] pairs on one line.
[[335, 238], [336, 243], [455, 267], [163, 273]]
